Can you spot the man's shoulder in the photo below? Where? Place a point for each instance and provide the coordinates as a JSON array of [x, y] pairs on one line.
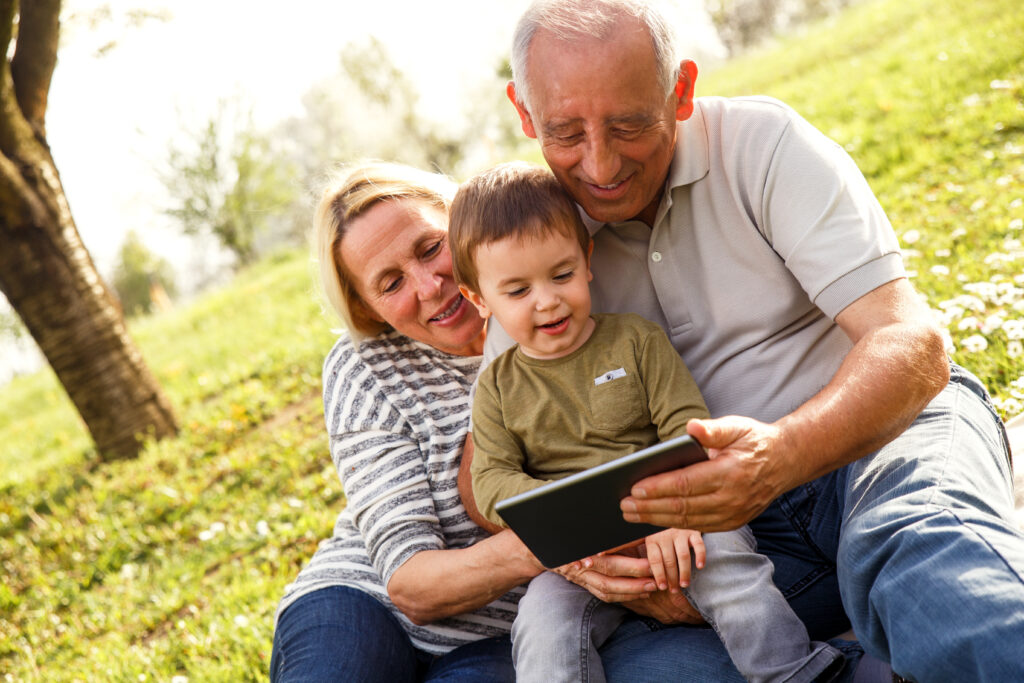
[[749, 105]]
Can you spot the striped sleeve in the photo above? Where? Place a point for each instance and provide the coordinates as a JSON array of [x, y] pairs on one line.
[[380, 465]]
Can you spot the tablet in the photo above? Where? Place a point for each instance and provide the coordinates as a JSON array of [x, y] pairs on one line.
[[571, 518]]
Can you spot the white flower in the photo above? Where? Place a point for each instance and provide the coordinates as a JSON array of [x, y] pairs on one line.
[[1017, 224], [978, 205], [943, 253], [974, 344], [179, 679], [1013, 329], [992, 323], [911, 236], [262, 528], [969, 323], [241, 621], [1014, 349], [959, 232], [939, 269], [206, 535]]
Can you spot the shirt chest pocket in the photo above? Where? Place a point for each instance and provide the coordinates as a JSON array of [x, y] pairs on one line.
[[617, 401]]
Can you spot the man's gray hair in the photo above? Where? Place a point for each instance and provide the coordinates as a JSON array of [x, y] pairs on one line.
[[567, 19]]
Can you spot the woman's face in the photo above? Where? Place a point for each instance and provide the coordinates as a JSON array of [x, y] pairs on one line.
[[397, 255]]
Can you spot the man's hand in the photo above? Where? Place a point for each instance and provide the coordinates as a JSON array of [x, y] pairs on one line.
[[666, 607], [744, 474]]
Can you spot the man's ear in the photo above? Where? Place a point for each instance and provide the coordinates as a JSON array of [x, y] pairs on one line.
[[685, 88], [475, 299], [524, 115]]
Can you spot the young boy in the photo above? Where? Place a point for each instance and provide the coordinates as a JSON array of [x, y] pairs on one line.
[[546, 409]]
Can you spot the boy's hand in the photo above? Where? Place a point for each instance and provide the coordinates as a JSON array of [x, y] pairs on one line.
[[668, 552]]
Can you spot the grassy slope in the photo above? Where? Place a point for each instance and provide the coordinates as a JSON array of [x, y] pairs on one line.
[[172, 565]]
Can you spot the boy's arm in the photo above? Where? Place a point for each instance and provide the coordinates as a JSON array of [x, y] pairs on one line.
[[672, 395], [498, 457]]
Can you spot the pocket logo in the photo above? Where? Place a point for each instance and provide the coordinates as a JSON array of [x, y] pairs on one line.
[[609, 376]]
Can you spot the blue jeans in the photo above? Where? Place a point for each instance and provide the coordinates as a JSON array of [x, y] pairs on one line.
[[917, 542], [342, 634]]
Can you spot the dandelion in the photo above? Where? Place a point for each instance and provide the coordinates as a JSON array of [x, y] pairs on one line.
[[943, 253], [241, 621], [206, 535], [294, 503], [959, 232], [940, 270], [262, 528], [1014, 349], [911, 236], [179, 679], [974, 344], [978, 205], [969, 323], [1017, 224]]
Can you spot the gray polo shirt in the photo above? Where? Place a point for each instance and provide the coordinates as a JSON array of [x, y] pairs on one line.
[[766, 231]]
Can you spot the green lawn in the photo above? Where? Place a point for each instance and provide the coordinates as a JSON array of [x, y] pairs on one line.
[[169, 567]]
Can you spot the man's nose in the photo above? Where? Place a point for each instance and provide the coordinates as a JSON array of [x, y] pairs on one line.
[[600, 161]]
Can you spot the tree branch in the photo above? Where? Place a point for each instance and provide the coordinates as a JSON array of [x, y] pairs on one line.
[[35, 58]]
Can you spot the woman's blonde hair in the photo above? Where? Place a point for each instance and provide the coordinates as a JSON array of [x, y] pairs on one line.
[[348, 193]]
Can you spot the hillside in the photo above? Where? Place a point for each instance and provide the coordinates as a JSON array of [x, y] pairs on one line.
[[169, 568]]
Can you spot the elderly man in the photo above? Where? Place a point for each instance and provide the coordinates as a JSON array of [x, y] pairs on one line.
[[869, 467]]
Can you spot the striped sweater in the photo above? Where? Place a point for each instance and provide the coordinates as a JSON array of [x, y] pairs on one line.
[[397, 414]]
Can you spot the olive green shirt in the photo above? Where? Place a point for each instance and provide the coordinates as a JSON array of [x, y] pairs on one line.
[[536, 420]]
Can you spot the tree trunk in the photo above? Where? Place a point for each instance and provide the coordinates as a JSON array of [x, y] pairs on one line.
[[47, 274]]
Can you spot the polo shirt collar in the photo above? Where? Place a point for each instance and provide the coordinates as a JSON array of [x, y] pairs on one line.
[[690, 163]]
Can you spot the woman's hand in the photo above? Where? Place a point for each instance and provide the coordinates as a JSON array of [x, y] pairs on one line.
[[626, 579]]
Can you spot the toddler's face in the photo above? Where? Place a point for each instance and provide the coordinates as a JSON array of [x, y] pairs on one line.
[[538, 289]]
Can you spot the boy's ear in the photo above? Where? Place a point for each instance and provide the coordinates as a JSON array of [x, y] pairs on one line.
[[475, 299], [590, 251]]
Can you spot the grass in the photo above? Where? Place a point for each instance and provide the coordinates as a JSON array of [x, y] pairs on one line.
[[169, 567]]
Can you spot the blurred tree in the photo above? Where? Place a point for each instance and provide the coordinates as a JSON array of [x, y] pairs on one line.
[[228, 182], [46, 273], [139, 274], [743, 23]]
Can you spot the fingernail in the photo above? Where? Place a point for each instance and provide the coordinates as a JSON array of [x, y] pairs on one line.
[[628, 505], [640, 493], [650, 587]]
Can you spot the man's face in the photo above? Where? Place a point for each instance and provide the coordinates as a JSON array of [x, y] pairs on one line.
[[605, 125]]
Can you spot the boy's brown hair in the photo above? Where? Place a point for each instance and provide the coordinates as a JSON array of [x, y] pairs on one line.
[[514, 199]]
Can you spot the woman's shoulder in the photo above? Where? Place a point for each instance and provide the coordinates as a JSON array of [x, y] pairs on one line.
[[389, 355]]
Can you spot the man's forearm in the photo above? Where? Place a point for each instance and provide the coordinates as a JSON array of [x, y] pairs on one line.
[[885, 381]]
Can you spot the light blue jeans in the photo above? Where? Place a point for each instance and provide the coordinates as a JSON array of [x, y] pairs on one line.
[[919, 541], [560, 626]]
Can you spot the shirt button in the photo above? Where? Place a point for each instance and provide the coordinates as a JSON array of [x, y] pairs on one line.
[[656, 257]]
